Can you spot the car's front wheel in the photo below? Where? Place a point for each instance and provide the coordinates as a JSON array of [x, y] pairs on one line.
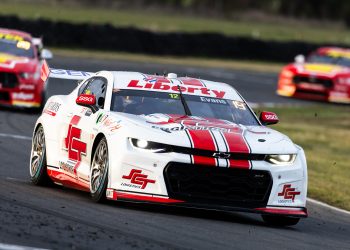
[[99, 172], [279, 220], [37, 169]]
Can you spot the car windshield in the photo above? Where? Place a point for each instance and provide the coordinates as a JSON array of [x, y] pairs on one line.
[[20, 48], [327, 59], [139, 102]]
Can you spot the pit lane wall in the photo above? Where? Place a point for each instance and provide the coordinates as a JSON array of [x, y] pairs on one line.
[[108, 37]]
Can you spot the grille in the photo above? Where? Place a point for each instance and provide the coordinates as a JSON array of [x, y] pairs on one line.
[[4, 96], [218, 186], [328, 83], [8, 80]]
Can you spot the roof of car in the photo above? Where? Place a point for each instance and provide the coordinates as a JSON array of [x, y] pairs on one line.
[[334, 50], [16, 32], [171, 83]]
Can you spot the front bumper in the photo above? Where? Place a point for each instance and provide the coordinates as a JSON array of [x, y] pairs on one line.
[[336, 93], [20, 92], [20, 98], [142, 176]]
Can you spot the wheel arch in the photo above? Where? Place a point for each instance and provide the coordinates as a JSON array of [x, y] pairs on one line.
[[98, 138]]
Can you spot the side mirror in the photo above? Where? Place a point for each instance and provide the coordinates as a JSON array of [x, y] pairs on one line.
[[88, 101], [46, 54], [300, 59], [268, 118]]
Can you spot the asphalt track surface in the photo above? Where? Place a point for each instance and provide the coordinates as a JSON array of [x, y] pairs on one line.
[[61, 218]]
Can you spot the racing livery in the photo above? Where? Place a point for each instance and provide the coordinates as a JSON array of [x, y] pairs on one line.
[[129, 136], [324, 76], [20, 64]]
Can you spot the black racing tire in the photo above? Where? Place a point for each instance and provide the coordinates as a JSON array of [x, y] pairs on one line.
[[99, 172], [279, 220], [38, 164]]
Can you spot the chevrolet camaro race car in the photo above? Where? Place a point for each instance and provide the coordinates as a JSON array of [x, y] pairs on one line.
[[180, 141], [323, 76], [21, 57]]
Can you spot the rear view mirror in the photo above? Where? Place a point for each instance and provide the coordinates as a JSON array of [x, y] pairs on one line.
[[88, 101], [299, 59], [46, 54], [268, 118]]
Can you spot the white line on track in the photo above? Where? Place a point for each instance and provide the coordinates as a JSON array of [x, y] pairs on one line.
[[16, 247], [322, 204], [20, 137]]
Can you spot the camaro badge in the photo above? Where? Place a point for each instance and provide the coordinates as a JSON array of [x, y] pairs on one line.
[[222, 155]]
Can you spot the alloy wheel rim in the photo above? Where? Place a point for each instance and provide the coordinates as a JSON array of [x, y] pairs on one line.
[[98, 167], [38, 152]]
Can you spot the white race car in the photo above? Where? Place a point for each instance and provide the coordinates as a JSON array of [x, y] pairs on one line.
[[182, 141]]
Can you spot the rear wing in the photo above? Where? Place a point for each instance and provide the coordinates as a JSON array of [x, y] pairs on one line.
[[47, 72]]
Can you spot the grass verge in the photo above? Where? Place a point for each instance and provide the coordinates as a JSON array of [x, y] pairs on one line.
[[159, 21], [324, 133], [187, 61]]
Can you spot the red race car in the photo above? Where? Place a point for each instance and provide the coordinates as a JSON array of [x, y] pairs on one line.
[[21, 57], [324, 75]]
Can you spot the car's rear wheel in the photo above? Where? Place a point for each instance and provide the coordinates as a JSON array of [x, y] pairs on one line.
[[37, 169], [280, 221], [99, 172]]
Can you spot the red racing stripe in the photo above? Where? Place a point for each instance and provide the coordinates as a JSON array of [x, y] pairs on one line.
[[143, 197], [202, 139], [236, 143]]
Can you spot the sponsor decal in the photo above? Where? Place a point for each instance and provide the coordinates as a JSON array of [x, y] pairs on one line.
[[69, 72], [52, 108], [175, 124], [288, 193], [137, 179], [67, 166], [27, 87], [110, 193], [165, 85], [108, 122], [195, 127], [101, 117], [23, 45], [23, 96], [86, 99], [270, 116], [73, 144]]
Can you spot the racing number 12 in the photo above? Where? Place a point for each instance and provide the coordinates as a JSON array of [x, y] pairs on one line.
[[174, 96]]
